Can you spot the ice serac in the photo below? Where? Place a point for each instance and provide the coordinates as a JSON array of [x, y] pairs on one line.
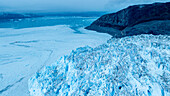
[[129, 66], [116, 23]]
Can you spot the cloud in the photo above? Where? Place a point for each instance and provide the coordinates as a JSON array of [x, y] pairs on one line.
[[69, 5], [115, 5], [55, 5]]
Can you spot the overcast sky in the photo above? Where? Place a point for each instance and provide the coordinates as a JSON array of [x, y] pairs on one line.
[[69, 5]]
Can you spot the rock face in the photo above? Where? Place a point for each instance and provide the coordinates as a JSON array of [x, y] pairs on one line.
[[117, 23]]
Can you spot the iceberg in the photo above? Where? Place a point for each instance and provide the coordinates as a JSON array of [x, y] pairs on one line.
[[129, 66]]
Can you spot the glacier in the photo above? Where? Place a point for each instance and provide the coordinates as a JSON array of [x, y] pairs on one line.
[[25, 51], [129, 66]]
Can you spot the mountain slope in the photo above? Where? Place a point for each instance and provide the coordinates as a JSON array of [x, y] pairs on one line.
[[115, 23]]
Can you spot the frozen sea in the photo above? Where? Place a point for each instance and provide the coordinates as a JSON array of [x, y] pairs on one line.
[[27, 45]]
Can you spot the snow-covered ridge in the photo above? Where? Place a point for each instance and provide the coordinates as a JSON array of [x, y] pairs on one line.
[[130, 66]]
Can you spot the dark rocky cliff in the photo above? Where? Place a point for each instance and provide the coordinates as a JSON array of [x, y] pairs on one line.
[[121, 23]]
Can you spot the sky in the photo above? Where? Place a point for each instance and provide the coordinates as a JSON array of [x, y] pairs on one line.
[[69, 5]]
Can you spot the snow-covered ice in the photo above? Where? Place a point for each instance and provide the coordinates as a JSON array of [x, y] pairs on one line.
[[25, 51], [130, 66]]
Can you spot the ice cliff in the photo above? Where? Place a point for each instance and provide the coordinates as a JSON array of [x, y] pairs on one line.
[[129, 66]]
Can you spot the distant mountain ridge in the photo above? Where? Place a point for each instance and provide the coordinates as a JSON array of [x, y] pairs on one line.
[[6, 16], [118, 24]]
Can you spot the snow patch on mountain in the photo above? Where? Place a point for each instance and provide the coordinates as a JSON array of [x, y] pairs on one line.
[[129, 66]]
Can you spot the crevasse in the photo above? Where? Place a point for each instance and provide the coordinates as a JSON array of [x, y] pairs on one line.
[[129, 66]]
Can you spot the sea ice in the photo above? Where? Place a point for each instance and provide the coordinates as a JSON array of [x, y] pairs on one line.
[[25, 51]]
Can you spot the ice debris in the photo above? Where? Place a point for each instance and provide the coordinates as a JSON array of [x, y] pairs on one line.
[[130, 66]]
